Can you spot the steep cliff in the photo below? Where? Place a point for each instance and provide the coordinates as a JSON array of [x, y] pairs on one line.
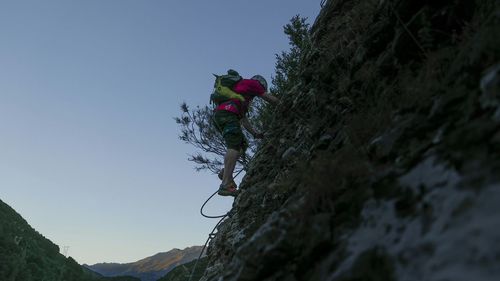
[[384, 160]]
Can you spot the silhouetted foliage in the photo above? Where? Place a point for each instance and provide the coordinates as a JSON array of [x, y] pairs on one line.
[[287, 63]]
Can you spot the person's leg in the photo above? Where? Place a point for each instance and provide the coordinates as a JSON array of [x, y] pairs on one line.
[[229, 126], [229, 164]]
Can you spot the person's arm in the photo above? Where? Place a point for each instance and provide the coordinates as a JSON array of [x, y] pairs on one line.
[[246, 124], [270, 98]]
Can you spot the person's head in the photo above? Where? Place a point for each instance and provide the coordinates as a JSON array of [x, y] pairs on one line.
[[261, 80]]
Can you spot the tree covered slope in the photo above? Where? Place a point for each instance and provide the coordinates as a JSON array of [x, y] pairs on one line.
[[26, 255]]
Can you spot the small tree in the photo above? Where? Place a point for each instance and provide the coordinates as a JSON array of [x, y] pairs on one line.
[[288, 62], [198, 129], [287, 68]]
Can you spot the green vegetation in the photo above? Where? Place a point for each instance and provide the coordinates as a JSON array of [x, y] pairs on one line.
[[26, 255], [288, 62]]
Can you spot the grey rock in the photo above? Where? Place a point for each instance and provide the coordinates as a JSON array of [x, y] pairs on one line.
[[490, 87], [496, 115], [289, 153], [323, 142]]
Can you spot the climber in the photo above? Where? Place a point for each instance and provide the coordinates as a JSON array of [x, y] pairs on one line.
[[229, 116]]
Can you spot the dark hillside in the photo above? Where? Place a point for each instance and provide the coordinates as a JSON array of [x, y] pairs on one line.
[[26, 255], [384, 159]]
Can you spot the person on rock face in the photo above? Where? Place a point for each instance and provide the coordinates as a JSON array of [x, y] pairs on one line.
[[228, 118]]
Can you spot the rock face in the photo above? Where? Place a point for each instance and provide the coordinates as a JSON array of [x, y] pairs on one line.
[[385, 162]]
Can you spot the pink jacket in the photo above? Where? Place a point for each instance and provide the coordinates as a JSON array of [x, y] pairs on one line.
[[248, 88]]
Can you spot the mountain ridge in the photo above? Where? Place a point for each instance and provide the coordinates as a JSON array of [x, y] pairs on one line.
[[150, 268]]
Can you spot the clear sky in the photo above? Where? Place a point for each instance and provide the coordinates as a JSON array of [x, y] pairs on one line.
[[89, 150]]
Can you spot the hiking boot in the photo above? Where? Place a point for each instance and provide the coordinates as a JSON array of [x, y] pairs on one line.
[[221, 174], [228, 190]]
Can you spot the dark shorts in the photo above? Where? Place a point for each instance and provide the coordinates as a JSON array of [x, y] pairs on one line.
[[229, 126]]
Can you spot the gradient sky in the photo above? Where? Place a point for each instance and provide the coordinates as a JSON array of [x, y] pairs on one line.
[[89, 150]]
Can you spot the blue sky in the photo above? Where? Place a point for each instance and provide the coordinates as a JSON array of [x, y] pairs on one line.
[[89, 150]]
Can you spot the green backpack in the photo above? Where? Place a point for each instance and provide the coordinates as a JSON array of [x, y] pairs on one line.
[[223, 87]]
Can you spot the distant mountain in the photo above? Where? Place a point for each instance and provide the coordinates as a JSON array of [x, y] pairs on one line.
[[26, 255], [183, 271], [151, 268]]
